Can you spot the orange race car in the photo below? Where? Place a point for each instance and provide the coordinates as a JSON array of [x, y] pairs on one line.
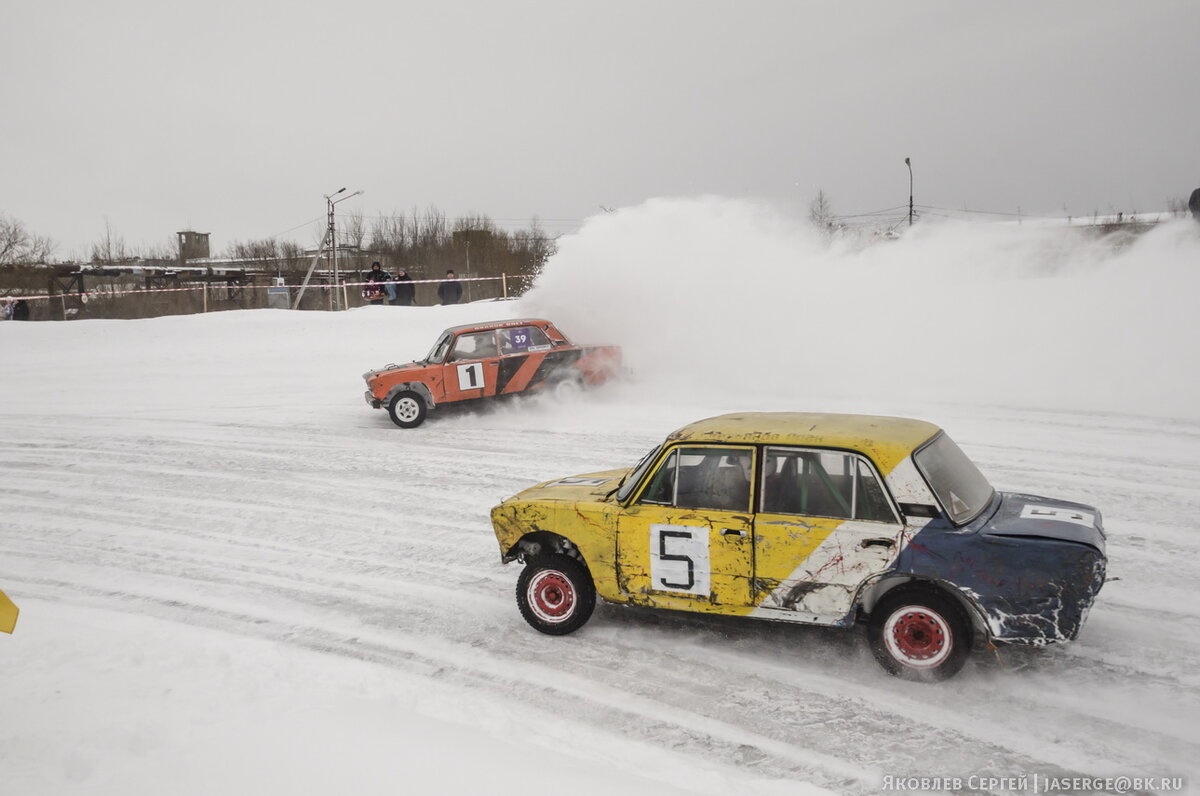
[[489, 360]]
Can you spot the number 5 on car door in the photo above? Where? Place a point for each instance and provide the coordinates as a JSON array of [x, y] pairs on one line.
[[679, 559]]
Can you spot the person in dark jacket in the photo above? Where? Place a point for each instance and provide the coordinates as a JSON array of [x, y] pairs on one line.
[[406, 291], [1194, 204], [20, 310], [374, 291], [450, 291]]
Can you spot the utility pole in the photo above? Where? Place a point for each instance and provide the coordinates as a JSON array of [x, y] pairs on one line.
[[908, 162], [468, 273], [330, 240], [331, 233]]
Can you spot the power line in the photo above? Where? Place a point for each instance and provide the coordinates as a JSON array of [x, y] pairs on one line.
[[979, 212], [884, 211], [298, 226]]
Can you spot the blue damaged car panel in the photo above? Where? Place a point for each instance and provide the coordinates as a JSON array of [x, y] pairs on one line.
[[1031, 565]]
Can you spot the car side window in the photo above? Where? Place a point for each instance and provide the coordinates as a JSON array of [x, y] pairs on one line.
[[703, 478], [661, 489], [476, 345], [439, 349], [520, 339], [822, 483]]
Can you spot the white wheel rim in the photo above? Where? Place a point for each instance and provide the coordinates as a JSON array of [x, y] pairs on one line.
[[407, 409], [918, 637], [551, 596], [568, 389]]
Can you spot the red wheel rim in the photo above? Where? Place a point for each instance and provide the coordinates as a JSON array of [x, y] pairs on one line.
[[918, 637], [551, 596]]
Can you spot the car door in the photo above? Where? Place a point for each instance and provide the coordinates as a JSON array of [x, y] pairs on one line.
[[471, 367], [825, 524], [521, 355], [684, 539]]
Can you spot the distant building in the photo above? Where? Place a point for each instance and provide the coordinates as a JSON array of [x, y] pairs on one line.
[[192, 246]]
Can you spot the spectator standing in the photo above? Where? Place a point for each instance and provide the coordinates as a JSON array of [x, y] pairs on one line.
[[405, 289], [6, 310], [379, 283], [450, 291], [20, 310]]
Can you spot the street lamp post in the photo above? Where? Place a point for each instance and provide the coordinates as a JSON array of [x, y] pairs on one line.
[[331, 233], [908, 162]]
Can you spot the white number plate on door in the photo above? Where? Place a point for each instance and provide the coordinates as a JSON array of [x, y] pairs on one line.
[[679, 559], [470, 377]]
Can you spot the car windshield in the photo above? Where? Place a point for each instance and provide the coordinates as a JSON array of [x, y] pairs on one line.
[[957, 482], [438, 353], [636, 474]]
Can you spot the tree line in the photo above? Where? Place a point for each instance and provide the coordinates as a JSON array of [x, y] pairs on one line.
[[426, 243]]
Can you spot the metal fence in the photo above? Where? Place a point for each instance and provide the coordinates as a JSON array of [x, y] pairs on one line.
[[125, 297]]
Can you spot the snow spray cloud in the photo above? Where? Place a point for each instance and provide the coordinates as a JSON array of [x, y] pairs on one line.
[[728, 297]]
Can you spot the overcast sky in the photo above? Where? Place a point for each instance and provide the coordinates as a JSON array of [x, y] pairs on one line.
[[235, 118]]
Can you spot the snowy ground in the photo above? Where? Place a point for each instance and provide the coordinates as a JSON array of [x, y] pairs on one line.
[[236, 577]]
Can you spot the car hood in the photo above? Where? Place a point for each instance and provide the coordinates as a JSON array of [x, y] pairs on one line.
[[370, 374], [1031, 516], [589, 486]]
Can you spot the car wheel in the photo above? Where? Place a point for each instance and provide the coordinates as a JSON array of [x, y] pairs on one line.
[[408, 409], [555, 594], [569, 388], [919, 634]]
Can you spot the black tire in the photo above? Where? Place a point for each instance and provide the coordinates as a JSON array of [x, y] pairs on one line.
[[555, 594], [408, 409], [569, 387], [919, 633]]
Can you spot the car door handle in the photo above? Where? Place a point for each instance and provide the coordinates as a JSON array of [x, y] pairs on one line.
[[878, 543], [732, 532]]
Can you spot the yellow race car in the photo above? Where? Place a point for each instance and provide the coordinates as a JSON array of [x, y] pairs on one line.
[[8, 614], [820, 519]]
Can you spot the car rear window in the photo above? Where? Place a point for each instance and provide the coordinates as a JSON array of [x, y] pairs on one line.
[[521, 339], [957, 482]]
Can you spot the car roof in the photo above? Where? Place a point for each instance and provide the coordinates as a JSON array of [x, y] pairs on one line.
[[479, 327], [886, 440]]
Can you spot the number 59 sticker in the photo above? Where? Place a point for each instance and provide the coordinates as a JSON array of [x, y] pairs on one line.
[[679, 559]]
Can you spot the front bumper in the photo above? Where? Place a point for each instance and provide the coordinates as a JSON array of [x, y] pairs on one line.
[[374, 402]]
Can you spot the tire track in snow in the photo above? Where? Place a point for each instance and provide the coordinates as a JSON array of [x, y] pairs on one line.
[[786, 702]]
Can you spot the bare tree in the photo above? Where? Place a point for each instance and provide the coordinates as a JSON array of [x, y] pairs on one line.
[[19, 246], [353, 229], [260, 249], [1177, 206], [167, 250], [820, 213], [389, 233], [110, 248]]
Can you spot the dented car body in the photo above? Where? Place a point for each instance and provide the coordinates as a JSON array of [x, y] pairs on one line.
[[818, 519], [488, 360]]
